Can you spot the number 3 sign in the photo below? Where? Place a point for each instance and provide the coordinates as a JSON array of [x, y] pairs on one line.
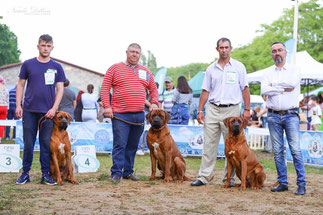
[[9, 158]]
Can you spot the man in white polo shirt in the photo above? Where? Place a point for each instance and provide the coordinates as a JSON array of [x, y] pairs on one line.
[[225, 86], [281, 85]]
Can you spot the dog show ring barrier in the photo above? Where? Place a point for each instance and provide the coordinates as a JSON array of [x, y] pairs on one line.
[[189, 139]]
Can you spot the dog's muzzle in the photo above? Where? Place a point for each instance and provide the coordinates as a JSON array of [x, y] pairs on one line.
[[236, 129], [156, 123], [63, 125]]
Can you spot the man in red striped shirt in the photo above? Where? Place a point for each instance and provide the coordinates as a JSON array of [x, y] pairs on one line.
[[129, 81]]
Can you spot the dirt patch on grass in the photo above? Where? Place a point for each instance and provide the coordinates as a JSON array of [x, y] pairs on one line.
[[97, 195]]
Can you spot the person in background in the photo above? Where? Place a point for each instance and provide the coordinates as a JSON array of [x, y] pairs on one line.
[[79, 107], [4, 103], [12, 113], [317, 114], [281, 85], [306, 107], [225, 86], [129, 81], [263, 113], [44, 78], [165, 99], [68, 102], [255, 120], [90, 105], [182, 98], [320, 102]]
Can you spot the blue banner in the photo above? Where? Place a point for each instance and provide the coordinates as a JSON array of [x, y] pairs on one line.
[[311, 146], [159, 78], [189, 139]]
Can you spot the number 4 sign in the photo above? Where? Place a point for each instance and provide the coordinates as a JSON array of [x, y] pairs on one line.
[[84, 159], [9, 158]]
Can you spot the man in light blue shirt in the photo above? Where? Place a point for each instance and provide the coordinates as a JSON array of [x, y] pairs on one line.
[[165, 99]]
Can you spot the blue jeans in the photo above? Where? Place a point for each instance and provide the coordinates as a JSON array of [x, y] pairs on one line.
[[30, 127], [125, 142], [180, 114], [11, 115], [290, 123]]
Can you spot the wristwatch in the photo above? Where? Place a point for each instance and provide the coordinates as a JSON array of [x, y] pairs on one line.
[[200, 111]]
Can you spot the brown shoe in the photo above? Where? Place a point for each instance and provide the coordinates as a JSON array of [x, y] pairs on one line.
[[132, 177]]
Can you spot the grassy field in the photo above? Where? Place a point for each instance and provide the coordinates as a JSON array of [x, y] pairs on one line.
[[11, 193]]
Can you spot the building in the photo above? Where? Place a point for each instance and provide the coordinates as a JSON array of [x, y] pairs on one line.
[[78, 76]]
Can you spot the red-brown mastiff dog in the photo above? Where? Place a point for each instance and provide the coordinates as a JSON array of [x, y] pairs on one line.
[[164, 149], [60, 147], [239, 155]]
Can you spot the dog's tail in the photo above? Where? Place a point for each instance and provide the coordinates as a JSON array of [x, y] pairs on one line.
[[188, 179], [271, 185]]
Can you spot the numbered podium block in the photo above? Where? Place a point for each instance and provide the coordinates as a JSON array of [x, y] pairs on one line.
[[84, 159], [10, 158]]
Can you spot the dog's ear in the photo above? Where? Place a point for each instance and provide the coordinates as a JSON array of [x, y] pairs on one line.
[[69, 118], [244, 122], [226, 122], [168, 116], [148, 116]]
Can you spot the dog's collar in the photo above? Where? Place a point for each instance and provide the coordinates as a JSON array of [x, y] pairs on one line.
[[158, 128]]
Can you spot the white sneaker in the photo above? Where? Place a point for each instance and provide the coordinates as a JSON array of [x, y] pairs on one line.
[[140, 152]]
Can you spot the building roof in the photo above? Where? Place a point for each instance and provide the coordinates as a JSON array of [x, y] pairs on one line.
[[58, 60]]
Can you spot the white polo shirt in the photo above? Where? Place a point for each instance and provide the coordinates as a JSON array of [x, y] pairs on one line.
[[273, 83], [225, 85]]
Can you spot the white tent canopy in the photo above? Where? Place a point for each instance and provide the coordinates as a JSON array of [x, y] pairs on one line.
[[310, 69]]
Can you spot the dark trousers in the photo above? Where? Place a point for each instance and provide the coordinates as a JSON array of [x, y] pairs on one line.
[[30, 123], [125, 142]]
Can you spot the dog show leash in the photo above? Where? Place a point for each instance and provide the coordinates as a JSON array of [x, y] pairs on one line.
[[131, 123]]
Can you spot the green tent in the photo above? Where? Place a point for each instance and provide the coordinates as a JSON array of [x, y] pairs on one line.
[[196, 83]]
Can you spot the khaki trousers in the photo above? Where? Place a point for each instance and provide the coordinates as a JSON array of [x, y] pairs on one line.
[[213, 127]]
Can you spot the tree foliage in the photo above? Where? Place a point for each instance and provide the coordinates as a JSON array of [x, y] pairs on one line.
[[9, 52], [188, 71], [257, 56], [150, 61]]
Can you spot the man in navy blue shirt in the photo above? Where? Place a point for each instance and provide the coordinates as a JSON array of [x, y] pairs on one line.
[[43, 76]]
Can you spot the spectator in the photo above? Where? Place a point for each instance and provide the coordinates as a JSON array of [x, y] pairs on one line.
[[4, 103], [12, 113], [90, 105], [263, 113], [165, 99], [182, 98], [306, 107], [317, 114], [68, 102], [79, 107], [255, 121]]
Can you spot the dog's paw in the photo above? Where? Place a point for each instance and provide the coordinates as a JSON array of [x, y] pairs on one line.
[[152, 178], [166, 180], [226, 186]]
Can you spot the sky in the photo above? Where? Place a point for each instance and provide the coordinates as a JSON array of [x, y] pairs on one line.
[[95, 34]]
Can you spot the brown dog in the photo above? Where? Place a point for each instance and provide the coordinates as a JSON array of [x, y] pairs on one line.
[[164, 149], [60, 147], [239, 155]]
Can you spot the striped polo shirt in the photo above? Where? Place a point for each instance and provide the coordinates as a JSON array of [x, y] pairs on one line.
[[129, 86], [166, 98], [12, 99]]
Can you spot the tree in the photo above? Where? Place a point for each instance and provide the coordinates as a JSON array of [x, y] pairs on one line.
[[257, 56], [149, 61], [9, 52], [188, 71]]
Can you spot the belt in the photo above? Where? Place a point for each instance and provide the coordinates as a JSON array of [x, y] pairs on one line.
[[221, 105], [283, 112], [89, 108]]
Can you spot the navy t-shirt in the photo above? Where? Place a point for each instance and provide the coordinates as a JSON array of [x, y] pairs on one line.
[[40, 95]]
